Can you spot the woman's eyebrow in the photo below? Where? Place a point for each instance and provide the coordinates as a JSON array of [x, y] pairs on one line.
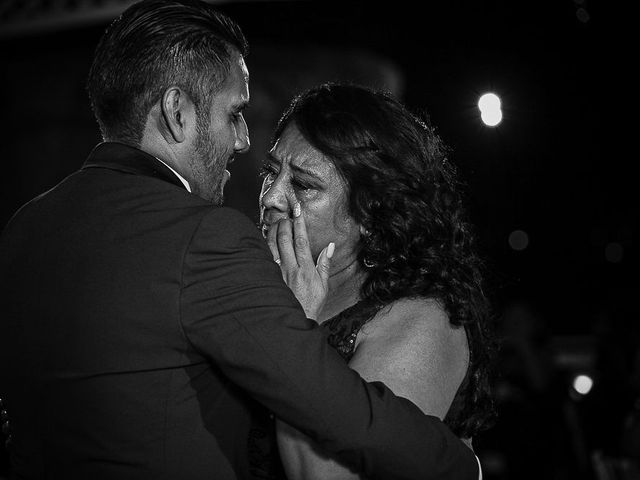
[[298, 169], [305, 171]]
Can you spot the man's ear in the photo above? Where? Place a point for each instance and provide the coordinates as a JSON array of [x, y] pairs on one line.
[[177, 113]]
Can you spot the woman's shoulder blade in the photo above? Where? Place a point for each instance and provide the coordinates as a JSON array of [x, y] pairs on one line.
[[411, 316], [412, 347]]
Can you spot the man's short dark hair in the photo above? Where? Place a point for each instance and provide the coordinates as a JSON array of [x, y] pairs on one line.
[[153, 45]]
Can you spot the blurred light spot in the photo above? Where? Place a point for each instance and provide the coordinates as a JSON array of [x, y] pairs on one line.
[[613, 252], [518, 240], [582, 15], [490, 106], [489, 101], [582, 384], [491, 118]]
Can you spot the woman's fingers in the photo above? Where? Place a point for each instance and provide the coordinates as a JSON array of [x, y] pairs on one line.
[[284, 240], [289, 241], [272, 242], [323, 266], [300, 238], [290, 247]]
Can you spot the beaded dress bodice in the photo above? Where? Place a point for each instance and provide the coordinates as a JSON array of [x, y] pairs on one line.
[[343, 328]]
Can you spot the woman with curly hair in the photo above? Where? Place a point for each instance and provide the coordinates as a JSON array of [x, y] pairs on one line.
[[405, 304]]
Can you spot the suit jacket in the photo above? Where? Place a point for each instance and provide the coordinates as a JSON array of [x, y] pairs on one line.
[[142, 328]]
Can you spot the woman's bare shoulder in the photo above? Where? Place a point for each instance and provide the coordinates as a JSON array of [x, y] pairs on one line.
[[412, 316], [412, 347]]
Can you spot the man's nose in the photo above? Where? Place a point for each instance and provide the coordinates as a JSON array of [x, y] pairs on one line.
[[243, 143]]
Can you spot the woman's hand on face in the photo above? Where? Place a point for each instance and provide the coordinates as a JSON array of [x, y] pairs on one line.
[[290, 247]]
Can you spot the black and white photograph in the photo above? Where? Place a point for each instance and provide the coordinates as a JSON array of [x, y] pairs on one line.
[[318, 240]]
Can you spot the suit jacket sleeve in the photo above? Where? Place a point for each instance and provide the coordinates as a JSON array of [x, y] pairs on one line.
[[237, 311]]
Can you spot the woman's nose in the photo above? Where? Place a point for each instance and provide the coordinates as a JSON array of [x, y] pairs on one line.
[[273, 194]]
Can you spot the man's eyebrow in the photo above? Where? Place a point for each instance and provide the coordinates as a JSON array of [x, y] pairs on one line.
[[241, 106]]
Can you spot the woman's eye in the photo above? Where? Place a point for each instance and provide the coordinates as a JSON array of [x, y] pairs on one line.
[[267, 171], [270, 173], [300, 185]]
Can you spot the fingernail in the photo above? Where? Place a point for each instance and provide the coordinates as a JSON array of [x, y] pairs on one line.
[[330, 249], [296, 209]]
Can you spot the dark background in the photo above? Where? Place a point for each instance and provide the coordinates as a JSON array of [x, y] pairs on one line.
[[555, 168]]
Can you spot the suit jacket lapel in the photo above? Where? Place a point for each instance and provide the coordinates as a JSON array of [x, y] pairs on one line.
[[124, 158]]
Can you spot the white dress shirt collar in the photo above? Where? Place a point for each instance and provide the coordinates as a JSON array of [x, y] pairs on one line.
[[184, 182]]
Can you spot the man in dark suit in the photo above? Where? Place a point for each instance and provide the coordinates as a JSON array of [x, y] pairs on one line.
[[144, 326]]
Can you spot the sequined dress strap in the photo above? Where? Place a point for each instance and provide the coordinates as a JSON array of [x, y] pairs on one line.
[[343, 328]]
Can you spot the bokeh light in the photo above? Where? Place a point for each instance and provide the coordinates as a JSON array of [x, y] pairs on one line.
[[582, 384], [490, 107], [518, 240]]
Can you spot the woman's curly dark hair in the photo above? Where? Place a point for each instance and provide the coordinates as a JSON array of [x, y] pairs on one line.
[[403, 190]]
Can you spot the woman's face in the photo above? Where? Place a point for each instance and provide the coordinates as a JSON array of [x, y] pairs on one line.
[[295, 170]]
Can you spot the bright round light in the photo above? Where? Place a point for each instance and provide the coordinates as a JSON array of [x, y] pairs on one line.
[[491, 118], [582, 384], [489, 101], [490, 109]]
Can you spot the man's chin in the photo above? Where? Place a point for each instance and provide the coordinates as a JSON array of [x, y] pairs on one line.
[[218, 198], [215, 196], [218, 195]]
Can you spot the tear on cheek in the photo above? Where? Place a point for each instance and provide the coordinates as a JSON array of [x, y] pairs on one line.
[[267, 181]]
